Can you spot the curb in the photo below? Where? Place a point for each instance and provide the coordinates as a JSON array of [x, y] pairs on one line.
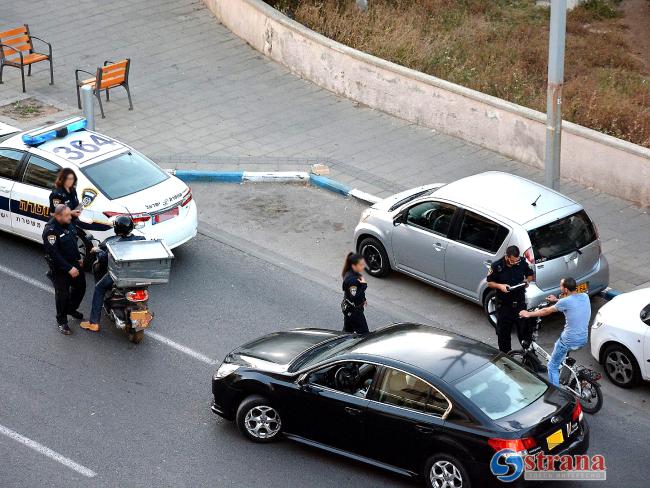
[[275, 177]]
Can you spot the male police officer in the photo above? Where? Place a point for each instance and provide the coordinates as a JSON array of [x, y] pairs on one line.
[[505, 273], [66, 266]]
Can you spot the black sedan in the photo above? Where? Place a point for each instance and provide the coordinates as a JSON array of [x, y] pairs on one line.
[[409, 398]]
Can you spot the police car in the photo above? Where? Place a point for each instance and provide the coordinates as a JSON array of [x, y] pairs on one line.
[[113, 179]]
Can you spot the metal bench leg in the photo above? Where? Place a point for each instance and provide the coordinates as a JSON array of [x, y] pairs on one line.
[[22, 76], [128, 94], [2, 67], [29, 70], [78, 97], [108, 98], [99, 99], [51, 72]]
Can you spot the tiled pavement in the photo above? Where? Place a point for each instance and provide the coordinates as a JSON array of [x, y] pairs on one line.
[[203, 98]]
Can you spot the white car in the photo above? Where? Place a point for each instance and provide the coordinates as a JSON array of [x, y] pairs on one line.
[[620, 338], [113, 179]]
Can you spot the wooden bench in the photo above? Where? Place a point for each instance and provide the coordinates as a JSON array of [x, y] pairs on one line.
[[111, 75], [17, 51]]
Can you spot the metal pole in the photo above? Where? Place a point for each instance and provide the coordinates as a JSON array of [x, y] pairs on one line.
[[88, 104], [554, 95]]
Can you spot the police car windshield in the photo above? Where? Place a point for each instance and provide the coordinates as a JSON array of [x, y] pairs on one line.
[[124, 174]]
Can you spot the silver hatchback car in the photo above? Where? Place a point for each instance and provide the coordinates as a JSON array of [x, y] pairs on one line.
[[448, 235]]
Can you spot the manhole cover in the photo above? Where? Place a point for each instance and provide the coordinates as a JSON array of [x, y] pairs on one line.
[[27, 108]]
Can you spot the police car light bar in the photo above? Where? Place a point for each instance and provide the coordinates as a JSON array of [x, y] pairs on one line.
[[49, 132]]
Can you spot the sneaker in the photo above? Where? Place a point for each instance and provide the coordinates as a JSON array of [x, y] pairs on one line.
[[89, 326], [64, 329], [76, 314]]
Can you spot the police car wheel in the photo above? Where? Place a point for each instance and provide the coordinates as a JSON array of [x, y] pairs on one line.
[[84, 245], [375, 256], [490, 307], [258, 419], [446, 471]]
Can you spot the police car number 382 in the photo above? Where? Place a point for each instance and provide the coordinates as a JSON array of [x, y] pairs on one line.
[[113, 179]]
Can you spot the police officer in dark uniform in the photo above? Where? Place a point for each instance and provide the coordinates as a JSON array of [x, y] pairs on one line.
[[66, 266], [65, 192], [505, 273], [354, 295]]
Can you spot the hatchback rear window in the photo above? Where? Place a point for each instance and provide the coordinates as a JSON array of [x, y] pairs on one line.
[[124, 175], [562, 237], [501, 388]]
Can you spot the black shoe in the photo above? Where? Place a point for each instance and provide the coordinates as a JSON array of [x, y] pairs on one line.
[[64, 329], [76, 314]]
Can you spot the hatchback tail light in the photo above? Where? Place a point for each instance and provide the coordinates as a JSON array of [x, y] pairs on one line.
[[139, 218], [137, 295], [517, 445], [577, 412], [187, 198]]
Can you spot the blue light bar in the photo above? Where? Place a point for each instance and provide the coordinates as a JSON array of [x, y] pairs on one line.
[[49, 132]]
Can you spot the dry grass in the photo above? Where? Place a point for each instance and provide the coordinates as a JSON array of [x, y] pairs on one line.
[[500, 47]]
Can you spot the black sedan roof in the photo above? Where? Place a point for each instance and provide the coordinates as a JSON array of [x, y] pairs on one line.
[[444, 354]]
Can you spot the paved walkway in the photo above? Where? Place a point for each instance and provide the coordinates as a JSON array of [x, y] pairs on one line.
[[204, 98]]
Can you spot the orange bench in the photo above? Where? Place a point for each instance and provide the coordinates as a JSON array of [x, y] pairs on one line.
[[17, 51], [111, 75]]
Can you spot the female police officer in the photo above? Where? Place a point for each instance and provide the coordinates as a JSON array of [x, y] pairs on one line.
[[65, 192], [354, 295]]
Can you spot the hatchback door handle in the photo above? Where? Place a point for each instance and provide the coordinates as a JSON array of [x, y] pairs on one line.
[[352, 411], [423, 429], [437, 246]]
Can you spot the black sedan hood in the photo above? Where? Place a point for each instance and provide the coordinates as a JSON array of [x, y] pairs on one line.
[[282, 348]]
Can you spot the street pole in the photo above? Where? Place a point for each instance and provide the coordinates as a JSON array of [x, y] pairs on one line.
[[88, 104], [554, 94]]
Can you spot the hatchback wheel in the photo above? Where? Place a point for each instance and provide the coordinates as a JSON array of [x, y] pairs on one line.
[[445, 471], [621, 366], [375, 256], [258, 420], [490, 307]]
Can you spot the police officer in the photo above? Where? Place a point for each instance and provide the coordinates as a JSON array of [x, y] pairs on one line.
[[354, 295], [123, 228], [66, 266], [508, 271], [65, 192]]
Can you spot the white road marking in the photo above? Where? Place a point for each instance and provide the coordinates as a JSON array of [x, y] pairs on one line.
[[46, 451], [26, 279], [181, 348], [154, 335]]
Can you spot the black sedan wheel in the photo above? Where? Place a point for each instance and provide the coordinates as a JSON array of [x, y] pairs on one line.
[[621, 366], [445, 471], [258, 420], [374, 254]]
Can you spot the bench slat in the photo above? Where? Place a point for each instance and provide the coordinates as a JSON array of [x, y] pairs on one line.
[[16, 40], [115, 66], [13, 32]]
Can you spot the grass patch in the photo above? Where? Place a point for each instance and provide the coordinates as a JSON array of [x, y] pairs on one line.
[[500, 47]]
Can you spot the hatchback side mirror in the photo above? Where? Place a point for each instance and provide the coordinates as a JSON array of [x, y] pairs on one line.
[[399, 218]]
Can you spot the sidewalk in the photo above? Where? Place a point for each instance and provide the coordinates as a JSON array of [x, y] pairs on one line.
[[204, 99]]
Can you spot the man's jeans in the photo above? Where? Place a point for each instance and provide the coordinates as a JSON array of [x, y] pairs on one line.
[[102, 286], [559, 353]]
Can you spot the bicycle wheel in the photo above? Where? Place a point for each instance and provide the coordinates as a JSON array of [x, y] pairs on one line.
[[522, 358], [591, 399]]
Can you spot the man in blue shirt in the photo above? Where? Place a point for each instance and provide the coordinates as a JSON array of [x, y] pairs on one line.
[[576, 308]]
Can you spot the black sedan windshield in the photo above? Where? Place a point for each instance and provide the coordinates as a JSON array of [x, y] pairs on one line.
[[323, 351]]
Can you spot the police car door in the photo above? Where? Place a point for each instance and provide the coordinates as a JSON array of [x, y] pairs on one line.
[[30, 197], [10, 160]]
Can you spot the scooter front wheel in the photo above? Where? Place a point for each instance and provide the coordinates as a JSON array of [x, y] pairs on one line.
[[591, 399]]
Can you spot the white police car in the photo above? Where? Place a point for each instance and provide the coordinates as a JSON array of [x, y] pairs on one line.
[[113, 179]]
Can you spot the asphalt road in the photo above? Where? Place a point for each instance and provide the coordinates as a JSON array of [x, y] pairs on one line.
[[139, 415]]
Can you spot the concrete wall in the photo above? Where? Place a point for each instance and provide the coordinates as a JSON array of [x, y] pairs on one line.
[[588, 157]]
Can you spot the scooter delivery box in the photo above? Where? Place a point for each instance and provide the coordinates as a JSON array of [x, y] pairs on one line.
[[139, 263]]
